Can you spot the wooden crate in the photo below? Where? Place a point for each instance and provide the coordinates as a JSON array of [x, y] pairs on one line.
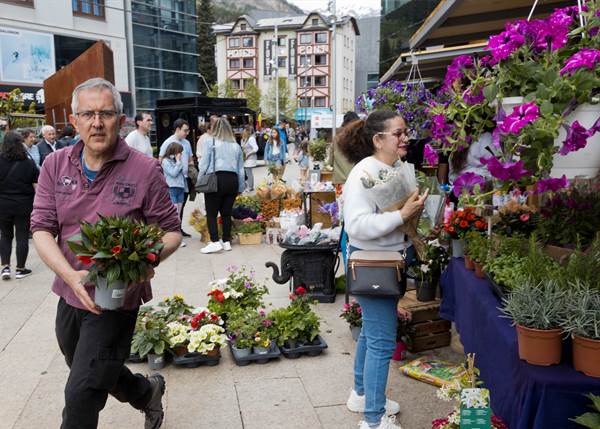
[[421, 311], [426, 330], [429, 342], [422, 329], [250, 238]]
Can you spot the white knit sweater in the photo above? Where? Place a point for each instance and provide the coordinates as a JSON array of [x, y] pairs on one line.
[[367, 227]]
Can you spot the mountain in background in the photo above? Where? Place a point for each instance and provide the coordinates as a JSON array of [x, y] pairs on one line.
[[228, 10]]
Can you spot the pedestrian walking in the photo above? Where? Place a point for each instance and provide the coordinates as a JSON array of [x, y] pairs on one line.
[[276, 153], [173, 169], [100, 174], [376, 145], [206, 136], [33, 152], [223, 156], [303, 159], [139, 138], [250, 148], [18, 175]]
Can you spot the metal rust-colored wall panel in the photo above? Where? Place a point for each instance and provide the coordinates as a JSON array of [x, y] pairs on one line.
[[97, 61]]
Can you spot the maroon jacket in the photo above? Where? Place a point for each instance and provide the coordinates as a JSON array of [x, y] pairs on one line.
[[129, 184]]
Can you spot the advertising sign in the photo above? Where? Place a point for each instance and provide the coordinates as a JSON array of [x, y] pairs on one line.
[[26, 56]]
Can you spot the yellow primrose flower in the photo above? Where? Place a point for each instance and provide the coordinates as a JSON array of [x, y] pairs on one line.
[[266, 343]]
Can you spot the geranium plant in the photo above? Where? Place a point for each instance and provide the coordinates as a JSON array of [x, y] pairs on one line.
[[352, 313], [462, 221], [238, 290], [118, 249], [408, 99]]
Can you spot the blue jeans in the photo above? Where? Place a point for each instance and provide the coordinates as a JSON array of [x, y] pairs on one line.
[[374, 350], [176, 195]]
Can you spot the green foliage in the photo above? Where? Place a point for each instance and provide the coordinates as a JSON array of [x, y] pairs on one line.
[[13, 102], [253, 95], [242, 326], [120, 249], [584, 266], [590, 420], [506, 270], [287, 103], [206, 43], [352, 313], [317, 149], [582, 312], [435, 260], [249, 201], [477, 246], [151, 337], [249, 227], [172, 308], [239, 290], [517, 219], [225, 90], [538, 266], [536, 305]]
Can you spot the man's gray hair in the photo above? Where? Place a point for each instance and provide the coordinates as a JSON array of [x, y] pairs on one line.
[[100, 83], [47, 128]]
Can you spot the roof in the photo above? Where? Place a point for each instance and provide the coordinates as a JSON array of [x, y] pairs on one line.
[[289, 22]]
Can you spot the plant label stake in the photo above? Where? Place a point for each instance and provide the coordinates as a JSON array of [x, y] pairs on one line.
[[475, 410]]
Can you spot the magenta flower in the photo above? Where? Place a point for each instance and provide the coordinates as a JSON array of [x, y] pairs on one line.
[[505, 171], [547, 34], [504, 44], [440, 129], [522, 115], [430, 154], [467, 182], [587, 58], [576, 139], [551, 184], [456, 70]]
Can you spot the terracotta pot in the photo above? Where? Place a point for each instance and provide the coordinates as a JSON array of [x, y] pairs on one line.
[[479, 270], [180, 350], [469, 265], [586, 356], [216, 352], [539, 347]]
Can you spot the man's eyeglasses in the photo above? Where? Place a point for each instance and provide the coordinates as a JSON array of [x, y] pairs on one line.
[[398, 133], [104, 115]]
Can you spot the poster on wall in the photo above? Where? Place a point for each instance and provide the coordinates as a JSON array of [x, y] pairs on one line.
[[26, 56]]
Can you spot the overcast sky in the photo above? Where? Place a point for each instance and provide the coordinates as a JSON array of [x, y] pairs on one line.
[[340, 4]]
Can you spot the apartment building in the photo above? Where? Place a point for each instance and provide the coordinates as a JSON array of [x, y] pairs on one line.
[[298, 48]]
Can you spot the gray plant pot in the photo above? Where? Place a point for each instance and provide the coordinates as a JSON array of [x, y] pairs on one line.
[[426, 291], [458, 248], [156, 362], [355, 332], [109, 298], [262, 350], [241, 353]]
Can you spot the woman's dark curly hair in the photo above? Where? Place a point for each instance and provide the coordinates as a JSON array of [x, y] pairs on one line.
[[12, 147], [355, 140]]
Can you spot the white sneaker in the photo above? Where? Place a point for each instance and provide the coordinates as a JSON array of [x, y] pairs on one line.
[[183, 244], [387, 422], [356, 404], [226, 245], [212, 247]]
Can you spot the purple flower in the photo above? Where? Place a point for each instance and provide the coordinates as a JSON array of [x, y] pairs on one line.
[[440, 129], [522, 115], [430, 155], [473, 99], [455, 70], [504, 171], [267, 322], [466, 182], [547, 34], [504, 44], [576, 139], [584, 58], [247, 285], [552, 184], [232, 268]]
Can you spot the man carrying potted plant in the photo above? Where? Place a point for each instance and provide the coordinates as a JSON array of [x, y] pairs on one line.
[[99, 175]]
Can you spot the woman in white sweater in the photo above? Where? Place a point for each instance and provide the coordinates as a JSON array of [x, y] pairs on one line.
[[376, 144]]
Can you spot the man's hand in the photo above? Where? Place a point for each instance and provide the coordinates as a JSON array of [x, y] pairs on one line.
[[76, 282], [413, 205]]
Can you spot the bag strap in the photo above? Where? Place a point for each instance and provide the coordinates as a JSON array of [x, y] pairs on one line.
[[10, 171], [214, 159]]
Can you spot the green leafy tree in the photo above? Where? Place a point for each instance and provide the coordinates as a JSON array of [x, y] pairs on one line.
[[13, 103], [286, 103], [253, 96], [225, 90], [206, 43]]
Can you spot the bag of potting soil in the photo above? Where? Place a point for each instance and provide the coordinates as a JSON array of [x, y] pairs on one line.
[[433, 371]]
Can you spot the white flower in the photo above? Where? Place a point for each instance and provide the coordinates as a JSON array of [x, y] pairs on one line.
[[218, 284], [454, 417], [425, 268], [236, 294]]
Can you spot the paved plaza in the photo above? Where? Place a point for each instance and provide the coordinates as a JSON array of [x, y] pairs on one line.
[[307, 393]]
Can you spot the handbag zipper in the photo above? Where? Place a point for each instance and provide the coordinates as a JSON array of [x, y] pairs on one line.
[[377, 264]]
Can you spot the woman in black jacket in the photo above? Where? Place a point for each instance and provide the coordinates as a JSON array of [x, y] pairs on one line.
[[18, 174]]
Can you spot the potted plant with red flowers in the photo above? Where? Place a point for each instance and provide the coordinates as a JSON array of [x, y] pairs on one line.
[[459, 224], [517, 220], [117, 252], [352, 313]]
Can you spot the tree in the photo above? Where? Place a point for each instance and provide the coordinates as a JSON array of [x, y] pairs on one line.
[[225, 90], [13, 102], [253, 96], [206, 43], [286, 105]]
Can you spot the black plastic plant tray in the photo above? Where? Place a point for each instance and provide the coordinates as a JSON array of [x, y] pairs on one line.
[[135, 358], [194, 360], [275, 353], [306, 349]]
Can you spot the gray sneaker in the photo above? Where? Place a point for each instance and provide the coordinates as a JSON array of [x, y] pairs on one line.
[[154, 410]]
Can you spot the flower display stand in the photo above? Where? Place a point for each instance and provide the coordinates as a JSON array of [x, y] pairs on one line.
[[313, 349], [274, 353]]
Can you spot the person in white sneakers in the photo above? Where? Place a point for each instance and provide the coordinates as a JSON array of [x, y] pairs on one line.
[[223, 155], [376, 144]]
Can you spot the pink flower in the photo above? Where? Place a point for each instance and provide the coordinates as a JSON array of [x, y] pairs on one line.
[[467, 182], [524, 217], [248, 219], [521, 116], [576, 139], [504, 44], [505, 171], [585, 58], [430, 155], [552, 184]]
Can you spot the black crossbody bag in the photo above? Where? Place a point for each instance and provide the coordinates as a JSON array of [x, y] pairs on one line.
[[376, 273], [208, 183]]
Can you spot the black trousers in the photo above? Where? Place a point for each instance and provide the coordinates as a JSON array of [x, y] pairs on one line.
[[95, 348], [9, 224], [221, 202]]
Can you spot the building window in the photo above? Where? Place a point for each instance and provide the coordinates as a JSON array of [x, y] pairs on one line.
[[305, 81], [234, 63], [20, 2], [321, 60], [320, 102], [248, 63], [243, 27], [248, 42], [315, 21], [234, 42], [304, 60], [248, 82], [281, 41], [235, 83], [304, 101], [320, 80], [321, 38], [305, 39], [90, 8], [281, 62]]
